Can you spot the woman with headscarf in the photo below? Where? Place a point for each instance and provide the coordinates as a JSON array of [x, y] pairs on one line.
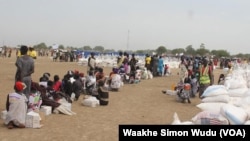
[[115, 80], [16, 106]]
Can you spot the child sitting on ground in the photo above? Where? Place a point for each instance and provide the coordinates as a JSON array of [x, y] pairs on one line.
[[221, 80]]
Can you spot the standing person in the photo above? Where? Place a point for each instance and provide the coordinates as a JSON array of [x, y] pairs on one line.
[[91, 63], [17, 52], [160, 66], [32, 53], [25, 68], [206, 76], [148, 60], [183, 73], [120, 60], [16, 106], [10, 51], [133, 61], [166, 70], [155, 63], [126, 62]]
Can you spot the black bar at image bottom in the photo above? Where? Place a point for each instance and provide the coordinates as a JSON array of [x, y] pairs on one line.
[[163, 132]]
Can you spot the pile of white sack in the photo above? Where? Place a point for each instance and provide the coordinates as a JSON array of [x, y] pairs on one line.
[[111, 61], [227, 104]]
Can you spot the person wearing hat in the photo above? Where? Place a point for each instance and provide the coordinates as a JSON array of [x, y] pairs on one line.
[[16, 106], [25, 68]]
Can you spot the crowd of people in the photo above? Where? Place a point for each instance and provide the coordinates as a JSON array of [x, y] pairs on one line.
[[197, 74], [197, 71]]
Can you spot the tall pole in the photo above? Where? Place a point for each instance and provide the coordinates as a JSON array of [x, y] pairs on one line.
[[128, 41]]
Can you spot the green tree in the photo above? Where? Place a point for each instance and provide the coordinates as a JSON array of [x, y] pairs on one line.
[[190, 50], [202, 45], [140, 52], [109, 50], [40, 46], [61, 47], [220, 53], [178, 51], [161, 50], [99, 48], [240, 55], [87, 48], [202, 51]]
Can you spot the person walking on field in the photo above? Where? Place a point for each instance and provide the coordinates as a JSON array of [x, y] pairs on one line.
[[25, 68]]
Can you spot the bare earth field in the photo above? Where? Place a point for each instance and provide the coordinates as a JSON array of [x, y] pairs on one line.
[[141, 103]]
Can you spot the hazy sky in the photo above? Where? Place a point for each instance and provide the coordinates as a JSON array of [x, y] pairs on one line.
[[128, 24]]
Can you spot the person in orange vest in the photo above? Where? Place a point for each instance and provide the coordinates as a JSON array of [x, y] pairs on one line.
[[206, 76]]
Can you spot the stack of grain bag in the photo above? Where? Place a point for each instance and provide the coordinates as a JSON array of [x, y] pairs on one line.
[[226, 102]]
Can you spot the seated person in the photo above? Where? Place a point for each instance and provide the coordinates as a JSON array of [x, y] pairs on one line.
[[57, 86], [47, 94], [90, 83], [16, 106], [77, 86], [221, 80], [44, 79], [103, 95], [115, 80], [99, 75]]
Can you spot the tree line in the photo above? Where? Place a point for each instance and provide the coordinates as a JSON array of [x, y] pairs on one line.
[[161, 50]]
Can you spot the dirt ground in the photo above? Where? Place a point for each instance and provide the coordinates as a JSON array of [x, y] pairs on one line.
[[142, 103]]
